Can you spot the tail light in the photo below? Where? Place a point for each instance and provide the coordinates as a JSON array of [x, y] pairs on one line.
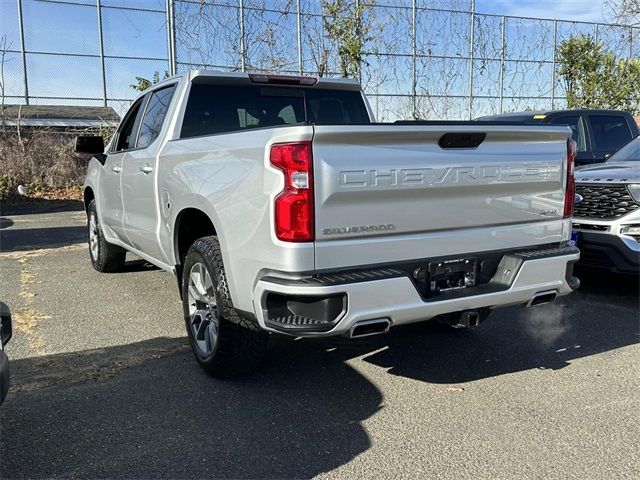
[[570, 191], [282, 79], [294, 204]]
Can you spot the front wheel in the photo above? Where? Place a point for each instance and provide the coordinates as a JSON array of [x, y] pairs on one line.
[[223, 343]]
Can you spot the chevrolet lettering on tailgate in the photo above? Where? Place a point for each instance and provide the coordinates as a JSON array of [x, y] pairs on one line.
[[450, 175]]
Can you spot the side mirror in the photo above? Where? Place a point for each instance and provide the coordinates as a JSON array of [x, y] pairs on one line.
[[89, 144], [5, 323]]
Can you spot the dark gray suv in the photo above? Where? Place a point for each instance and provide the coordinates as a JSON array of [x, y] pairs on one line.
[[598, 133]]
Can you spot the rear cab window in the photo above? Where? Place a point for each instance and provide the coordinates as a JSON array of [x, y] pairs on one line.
[[215, 108], [576, 124], [609, 132]]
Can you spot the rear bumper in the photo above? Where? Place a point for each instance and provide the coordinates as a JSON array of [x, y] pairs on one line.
[[611, 252], [396, 298]]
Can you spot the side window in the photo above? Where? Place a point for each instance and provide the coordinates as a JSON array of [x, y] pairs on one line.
[[126, 134], [154, 116], [609, 132], [576, 124]]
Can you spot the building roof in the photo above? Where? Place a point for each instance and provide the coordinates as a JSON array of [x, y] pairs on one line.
[[60, 116]]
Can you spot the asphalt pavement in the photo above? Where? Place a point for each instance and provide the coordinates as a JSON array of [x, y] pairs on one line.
[[104, 384]]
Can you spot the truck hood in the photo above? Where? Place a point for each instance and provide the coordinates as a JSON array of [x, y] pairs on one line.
[[620, 172]]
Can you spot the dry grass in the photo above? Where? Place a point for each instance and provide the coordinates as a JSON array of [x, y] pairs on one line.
[[26, 319], [42, 161]]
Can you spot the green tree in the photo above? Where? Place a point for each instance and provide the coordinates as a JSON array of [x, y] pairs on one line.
[[348, 23], [142, 83], [596, 78]]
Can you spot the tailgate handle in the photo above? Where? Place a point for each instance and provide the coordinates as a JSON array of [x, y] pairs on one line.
[[461, 140]]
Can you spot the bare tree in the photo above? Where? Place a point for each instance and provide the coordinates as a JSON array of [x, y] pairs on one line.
[[625, 11], [321, 47], [216, 35]]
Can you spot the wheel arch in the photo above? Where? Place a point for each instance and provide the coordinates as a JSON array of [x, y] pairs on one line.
[[88, 195], [191, 223]]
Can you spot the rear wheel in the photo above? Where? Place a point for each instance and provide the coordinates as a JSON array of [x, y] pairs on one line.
[[105, 257], [223, 343]]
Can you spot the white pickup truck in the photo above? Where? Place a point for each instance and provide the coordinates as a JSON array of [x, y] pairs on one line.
[[282, 207]]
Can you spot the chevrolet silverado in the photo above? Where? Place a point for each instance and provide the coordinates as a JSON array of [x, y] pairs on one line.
[[282, 207]]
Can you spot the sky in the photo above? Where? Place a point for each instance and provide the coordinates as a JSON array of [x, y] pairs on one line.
[[582, 10], [51, 27]]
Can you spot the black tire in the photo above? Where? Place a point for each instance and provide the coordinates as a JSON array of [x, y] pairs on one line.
[[240, 344], [105, 257]]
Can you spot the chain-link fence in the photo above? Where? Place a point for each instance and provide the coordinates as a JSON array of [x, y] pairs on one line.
[[80, 52], [432, 59]]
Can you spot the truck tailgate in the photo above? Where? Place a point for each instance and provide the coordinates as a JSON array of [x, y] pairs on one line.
[[387, 192]]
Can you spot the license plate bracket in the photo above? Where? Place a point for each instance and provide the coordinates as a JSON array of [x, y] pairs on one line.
[[448, 275], [574, 236]]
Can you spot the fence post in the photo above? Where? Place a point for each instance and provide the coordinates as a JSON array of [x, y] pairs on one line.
[[503, 47], [553, 74], [357, 19], [171, 37], [24, 55], [299, 26], [471, 42], [414, 79], [101, 40], [243, 64]]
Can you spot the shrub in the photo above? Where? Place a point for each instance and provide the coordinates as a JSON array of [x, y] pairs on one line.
[[42, 161]]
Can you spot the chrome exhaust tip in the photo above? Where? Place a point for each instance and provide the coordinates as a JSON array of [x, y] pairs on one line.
[[367, 328], [541, 298]]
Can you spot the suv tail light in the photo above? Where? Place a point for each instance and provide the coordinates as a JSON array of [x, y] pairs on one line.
[[294, 204], [570, 192]]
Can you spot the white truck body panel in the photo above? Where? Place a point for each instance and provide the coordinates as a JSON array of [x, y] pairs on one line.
[[434, 201]]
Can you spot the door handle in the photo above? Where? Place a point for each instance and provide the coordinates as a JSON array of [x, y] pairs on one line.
[[116, 169], [146, 169]]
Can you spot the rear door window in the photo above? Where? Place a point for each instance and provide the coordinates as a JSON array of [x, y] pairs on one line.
[[154, 115], [609, 132], [576, 124]]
